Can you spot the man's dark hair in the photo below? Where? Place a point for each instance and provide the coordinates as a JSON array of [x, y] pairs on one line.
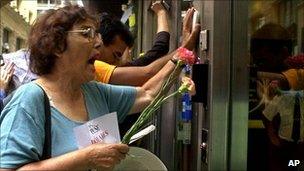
[[270, 46], [110, 27]]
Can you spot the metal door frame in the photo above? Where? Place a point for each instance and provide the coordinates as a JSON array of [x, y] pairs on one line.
[[217, 19], [239, 86], [227, 21]]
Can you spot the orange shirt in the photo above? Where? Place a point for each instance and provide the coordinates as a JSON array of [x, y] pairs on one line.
[[103, 71], [295, 78]]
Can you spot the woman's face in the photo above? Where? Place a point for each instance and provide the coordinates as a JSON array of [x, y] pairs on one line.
[[78, 59]]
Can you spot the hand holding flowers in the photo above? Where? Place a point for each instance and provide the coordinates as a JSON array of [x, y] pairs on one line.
[[183, 56]]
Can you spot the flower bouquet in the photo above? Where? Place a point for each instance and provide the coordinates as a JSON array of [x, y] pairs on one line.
[[296, 62], [182, 57]]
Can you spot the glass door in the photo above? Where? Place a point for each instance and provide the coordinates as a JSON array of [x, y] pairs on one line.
[[275, 127]]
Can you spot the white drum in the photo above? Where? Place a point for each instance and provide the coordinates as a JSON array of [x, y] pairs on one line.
[[139, 159]]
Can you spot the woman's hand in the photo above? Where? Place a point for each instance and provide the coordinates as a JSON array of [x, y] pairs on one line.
[[6, 73], [190, 36], [106, 156], [97, 156]]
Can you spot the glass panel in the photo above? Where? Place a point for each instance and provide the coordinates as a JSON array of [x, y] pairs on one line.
[[276, 98]]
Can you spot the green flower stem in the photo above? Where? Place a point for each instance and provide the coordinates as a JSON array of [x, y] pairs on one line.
[[172, 75], [154, 105], [142, 119], [159, 97], [135, 127], [171, 95], [147, 115]]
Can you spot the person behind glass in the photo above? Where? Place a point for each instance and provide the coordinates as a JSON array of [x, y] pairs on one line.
[[271, 45], [63, 47], [288, 136]]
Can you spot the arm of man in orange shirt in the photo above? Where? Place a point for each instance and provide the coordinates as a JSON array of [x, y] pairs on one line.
[[137, 76]]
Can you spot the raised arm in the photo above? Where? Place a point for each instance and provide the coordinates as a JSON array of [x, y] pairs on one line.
[[161, 41], [162, 16], [283, 82], [137, 76], [159, 49], [149, 90]]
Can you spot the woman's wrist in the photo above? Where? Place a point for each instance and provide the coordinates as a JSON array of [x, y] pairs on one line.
[[161, 12], [174, 60]]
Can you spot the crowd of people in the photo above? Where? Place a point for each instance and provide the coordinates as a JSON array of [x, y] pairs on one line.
[[67, 51], [84, 66]]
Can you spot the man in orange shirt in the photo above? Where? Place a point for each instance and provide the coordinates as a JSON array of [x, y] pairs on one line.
[[138, 75]]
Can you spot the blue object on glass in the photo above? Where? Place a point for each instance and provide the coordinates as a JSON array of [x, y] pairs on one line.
[[187, 108], [187, 69]]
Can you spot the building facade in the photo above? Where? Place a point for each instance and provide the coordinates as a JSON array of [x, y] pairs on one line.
[[14, 29], [18, 15]]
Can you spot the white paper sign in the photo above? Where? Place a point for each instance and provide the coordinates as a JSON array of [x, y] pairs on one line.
[[21, 61], [103, 129], [126, 15]]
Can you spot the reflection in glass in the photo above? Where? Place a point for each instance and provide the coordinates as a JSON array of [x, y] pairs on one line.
[[276, 84]]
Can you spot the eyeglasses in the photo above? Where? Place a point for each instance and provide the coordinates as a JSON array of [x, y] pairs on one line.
[[89, 33]]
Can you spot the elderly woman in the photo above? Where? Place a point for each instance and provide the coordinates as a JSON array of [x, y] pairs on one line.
[[63, 45]]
